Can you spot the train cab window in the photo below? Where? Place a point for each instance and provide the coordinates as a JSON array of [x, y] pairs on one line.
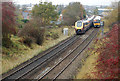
[[96, 21], [79, 24]]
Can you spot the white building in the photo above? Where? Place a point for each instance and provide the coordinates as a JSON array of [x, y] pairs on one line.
[[104, 12]]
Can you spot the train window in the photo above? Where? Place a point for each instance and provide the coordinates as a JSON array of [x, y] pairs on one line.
[[97, 21], [79, 24]]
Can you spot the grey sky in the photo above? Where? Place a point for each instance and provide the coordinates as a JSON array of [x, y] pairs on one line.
[[65, 2]]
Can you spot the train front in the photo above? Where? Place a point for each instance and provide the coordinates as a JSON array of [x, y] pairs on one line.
[[79, 27], [96, 21]]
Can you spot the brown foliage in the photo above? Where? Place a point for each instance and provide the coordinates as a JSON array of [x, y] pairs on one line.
[[33, 31], [73, 12], [8, 18], [8, 22]]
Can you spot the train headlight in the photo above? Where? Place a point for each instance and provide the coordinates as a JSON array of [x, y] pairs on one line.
[[81, 28]]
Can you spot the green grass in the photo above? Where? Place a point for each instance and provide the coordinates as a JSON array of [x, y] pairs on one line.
[[20, 53]]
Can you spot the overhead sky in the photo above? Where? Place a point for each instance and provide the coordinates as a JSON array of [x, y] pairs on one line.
[[66, 2]]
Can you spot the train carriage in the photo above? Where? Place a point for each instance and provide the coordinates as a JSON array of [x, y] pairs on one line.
[[82, 26]]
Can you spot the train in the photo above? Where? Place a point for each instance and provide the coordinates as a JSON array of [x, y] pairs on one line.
[[81, 26], [97, 21]]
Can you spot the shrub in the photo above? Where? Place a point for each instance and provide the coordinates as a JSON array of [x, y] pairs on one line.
[[38, 34], [33, 30], [55, 35], [28, 41], [108, 59], [6, 42], [25, 20], [112, 18]]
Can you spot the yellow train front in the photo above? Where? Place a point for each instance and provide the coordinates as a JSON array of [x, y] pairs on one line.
[[79, 27], [82, 26], [97, 21]]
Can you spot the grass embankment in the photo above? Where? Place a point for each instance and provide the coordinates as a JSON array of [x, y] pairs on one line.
[[88, 68], [21, 53]]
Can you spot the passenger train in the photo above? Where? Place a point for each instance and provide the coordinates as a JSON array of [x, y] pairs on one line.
[[97, 21], [82, 26]]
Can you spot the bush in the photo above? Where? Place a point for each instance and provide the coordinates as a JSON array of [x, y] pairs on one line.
[[33, 30], [112, 18], [108, 59], [55, 35], [6, 42], [38, 34], [28, 41], [25, 20]]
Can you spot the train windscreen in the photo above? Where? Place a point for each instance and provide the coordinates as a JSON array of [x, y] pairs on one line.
[[79, 24], [97, 21]]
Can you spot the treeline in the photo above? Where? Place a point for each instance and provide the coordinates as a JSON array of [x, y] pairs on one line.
[[73, 12], [34, 30], [112, 18]]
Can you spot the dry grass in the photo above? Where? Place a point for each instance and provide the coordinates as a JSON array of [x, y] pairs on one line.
[[24, 53], [88, 68], [106, 28], [85, 72]]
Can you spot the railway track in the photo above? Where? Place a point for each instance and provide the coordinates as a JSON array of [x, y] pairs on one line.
[[50, 63], [42, 73], [54, 72], [28, 67], [47, 57], [35, 58]]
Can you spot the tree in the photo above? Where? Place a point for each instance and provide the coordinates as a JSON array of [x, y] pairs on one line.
[[19, 18], [8, 22], [118, 11], [73, 12], [60, 8], [24, 7], [45, 11]]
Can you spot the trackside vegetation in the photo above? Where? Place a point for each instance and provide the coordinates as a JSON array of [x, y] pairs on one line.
[[103, 57]]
